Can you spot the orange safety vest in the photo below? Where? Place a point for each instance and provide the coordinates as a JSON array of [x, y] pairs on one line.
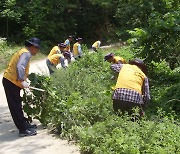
[[11, 71], [130, 77]]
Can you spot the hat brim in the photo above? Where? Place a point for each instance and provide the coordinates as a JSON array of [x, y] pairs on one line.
[[34, 44]]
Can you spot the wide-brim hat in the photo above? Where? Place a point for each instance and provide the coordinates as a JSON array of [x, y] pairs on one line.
[[109, 55], [62, 45], [34, 41]]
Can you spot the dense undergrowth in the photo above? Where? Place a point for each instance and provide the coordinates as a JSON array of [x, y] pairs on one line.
[[77, 104]]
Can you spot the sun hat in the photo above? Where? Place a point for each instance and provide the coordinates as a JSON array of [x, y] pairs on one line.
[[109, 55], [62, 45], [33, 41]]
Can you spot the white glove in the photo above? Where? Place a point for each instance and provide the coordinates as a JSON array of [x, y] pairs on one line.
[[25, 84]]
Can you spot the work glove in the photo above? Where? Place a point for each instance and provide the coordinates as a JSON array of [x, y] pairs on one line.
[[25, 84]]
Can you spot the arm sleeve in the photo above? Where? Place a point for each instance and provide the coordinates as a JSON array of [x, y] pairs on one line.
[[145, 91], [79, 50], [21, 65], [62, 62], [116, 67], [67, 42]]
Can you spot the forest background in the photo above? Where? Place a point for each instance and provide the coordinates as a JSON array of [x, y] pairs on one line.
[[153, 26]]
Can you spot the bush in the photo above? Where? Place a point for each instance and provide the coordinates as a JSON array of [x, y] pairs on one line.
[[121, 135], [78, 106]]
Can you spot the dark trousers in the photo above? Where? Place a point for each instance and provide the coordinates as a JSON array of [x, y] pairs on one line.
[[50, 66], [125, 106], [15, 104], [94, 49]]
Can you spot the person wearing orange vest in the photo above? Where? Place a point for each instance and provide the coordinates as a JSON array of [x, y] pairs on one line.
[[111, 58], [53, 60], [96, 45], [132, 86], [67, 43], [77, 51], [14, 79], [57, 49]]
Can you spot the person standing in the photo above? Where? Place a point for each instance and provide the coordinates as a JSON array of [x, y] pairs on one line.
[[67, 43], [14, 79], [96, 45], [132, 86], [77, 51], [58, 49]]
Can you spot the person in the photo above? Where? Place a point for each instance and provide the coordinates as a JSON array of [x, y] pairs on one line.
[[58, 49], [96, 45], [77, 51], [53, 60], [111, 58], [67, 43], [132, 86], [14, 79]]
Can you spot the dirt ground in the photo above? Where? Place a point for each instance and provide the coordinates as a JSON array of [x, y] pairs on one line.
[[42, 143]]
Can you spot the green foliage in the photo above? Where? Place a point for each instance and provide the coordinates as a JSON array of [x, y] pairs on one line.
[[121, 135], [77, 104], [10, 10], [154, 41], [164, 88], [35, 104], [6, 52]]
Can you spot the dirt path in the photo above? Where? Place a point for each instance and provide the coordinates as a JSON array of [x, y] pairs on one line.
[[42, 143]]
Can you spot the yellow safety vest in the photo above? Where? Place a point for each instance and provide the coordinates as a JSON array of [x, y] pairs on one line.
[[117, 58], [95, 44], [55, 59], [75, 49], [54, 50], [11, 71], [130, 77]]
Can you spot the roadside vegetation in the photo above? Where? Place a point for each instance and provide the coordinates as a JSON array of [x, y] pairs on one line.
[[77, 106]]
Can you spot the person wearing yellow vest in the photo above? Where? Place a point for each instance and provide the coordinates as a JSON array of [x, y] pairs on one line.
[[132, 86], [57, 49], [77, 51], [14, 79], [53, 60], [67, 43], [96, 45], [111, 58]]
